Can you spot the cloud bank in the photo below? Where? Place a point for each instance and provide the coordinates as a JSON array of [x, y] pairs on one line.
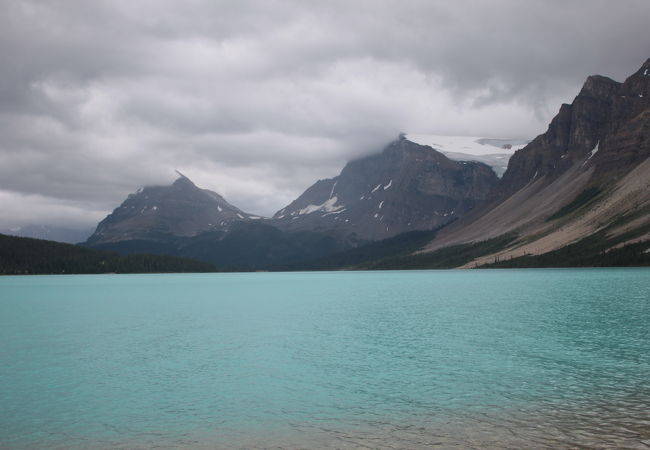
[[258, 99]]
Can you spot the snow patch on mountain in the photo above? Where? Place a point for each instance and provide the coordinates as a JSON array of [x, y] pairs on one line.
[[494, 152], [469, 145], [592, 153], [327, 206], [333, 187]]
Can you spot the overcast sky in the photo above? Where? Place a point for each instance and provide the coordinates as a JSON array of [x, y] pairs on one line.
[[258, 99]]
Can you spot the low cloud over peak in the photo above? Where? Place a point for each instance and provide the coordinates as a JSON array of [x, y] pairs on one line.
[[258, 99]]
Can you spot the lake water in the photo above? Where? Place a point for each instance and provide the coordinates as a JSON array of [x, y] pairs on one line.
[[503, 358]]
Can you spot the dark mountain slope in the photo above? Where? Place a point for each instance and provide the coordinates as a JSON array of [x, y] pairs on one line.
[[250, 245]]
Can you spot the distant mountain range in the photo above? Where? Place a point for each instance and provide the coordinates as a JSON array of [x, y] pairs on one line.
[[185, 220], [406, 187], [50, 233], [582, 187]]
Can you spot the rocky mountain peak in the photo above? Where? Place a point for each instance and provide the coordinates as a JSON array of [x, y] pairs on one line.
[[644, 70], [602, 129], [637, 86], [599, 86], [406, 187], [180, 209], [182, 180]]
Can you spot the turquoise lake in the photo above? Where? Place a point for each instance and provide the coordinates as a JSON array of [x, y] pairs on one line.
[[481, 358]]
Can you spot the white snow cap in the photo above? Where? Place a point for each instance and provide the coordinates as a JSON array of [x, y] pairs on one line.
[[469, 145], [493, 152]]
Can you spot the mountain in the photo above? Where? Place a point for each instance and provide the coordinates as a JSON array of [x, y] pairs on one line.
[[404, 188], [187, 221], [155, 212], [578, 194], [583, 185], [50, 233], [20, 256]]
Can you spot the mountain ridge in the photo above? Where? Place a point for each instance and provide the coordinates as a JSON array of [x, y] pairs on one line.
[[180, 209], [599, 144], [406, 187], [586, 175]]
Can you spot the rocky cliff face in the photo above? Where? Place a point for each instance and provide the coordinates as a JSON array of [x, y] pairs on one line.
[[625, 140], [588, 173], [154, 212], [605, 123], [406, 187]]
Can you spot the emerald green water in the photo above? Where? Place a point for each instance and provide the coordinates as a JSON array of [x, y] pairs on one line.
[[507, 358]]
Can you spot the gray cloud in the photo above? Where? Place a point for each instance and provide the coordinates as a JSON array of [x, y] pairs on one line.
[[258, 99]]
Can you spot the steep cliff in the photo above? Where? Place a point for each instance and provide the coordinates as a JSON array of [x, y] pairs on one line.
[[589, 172]]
